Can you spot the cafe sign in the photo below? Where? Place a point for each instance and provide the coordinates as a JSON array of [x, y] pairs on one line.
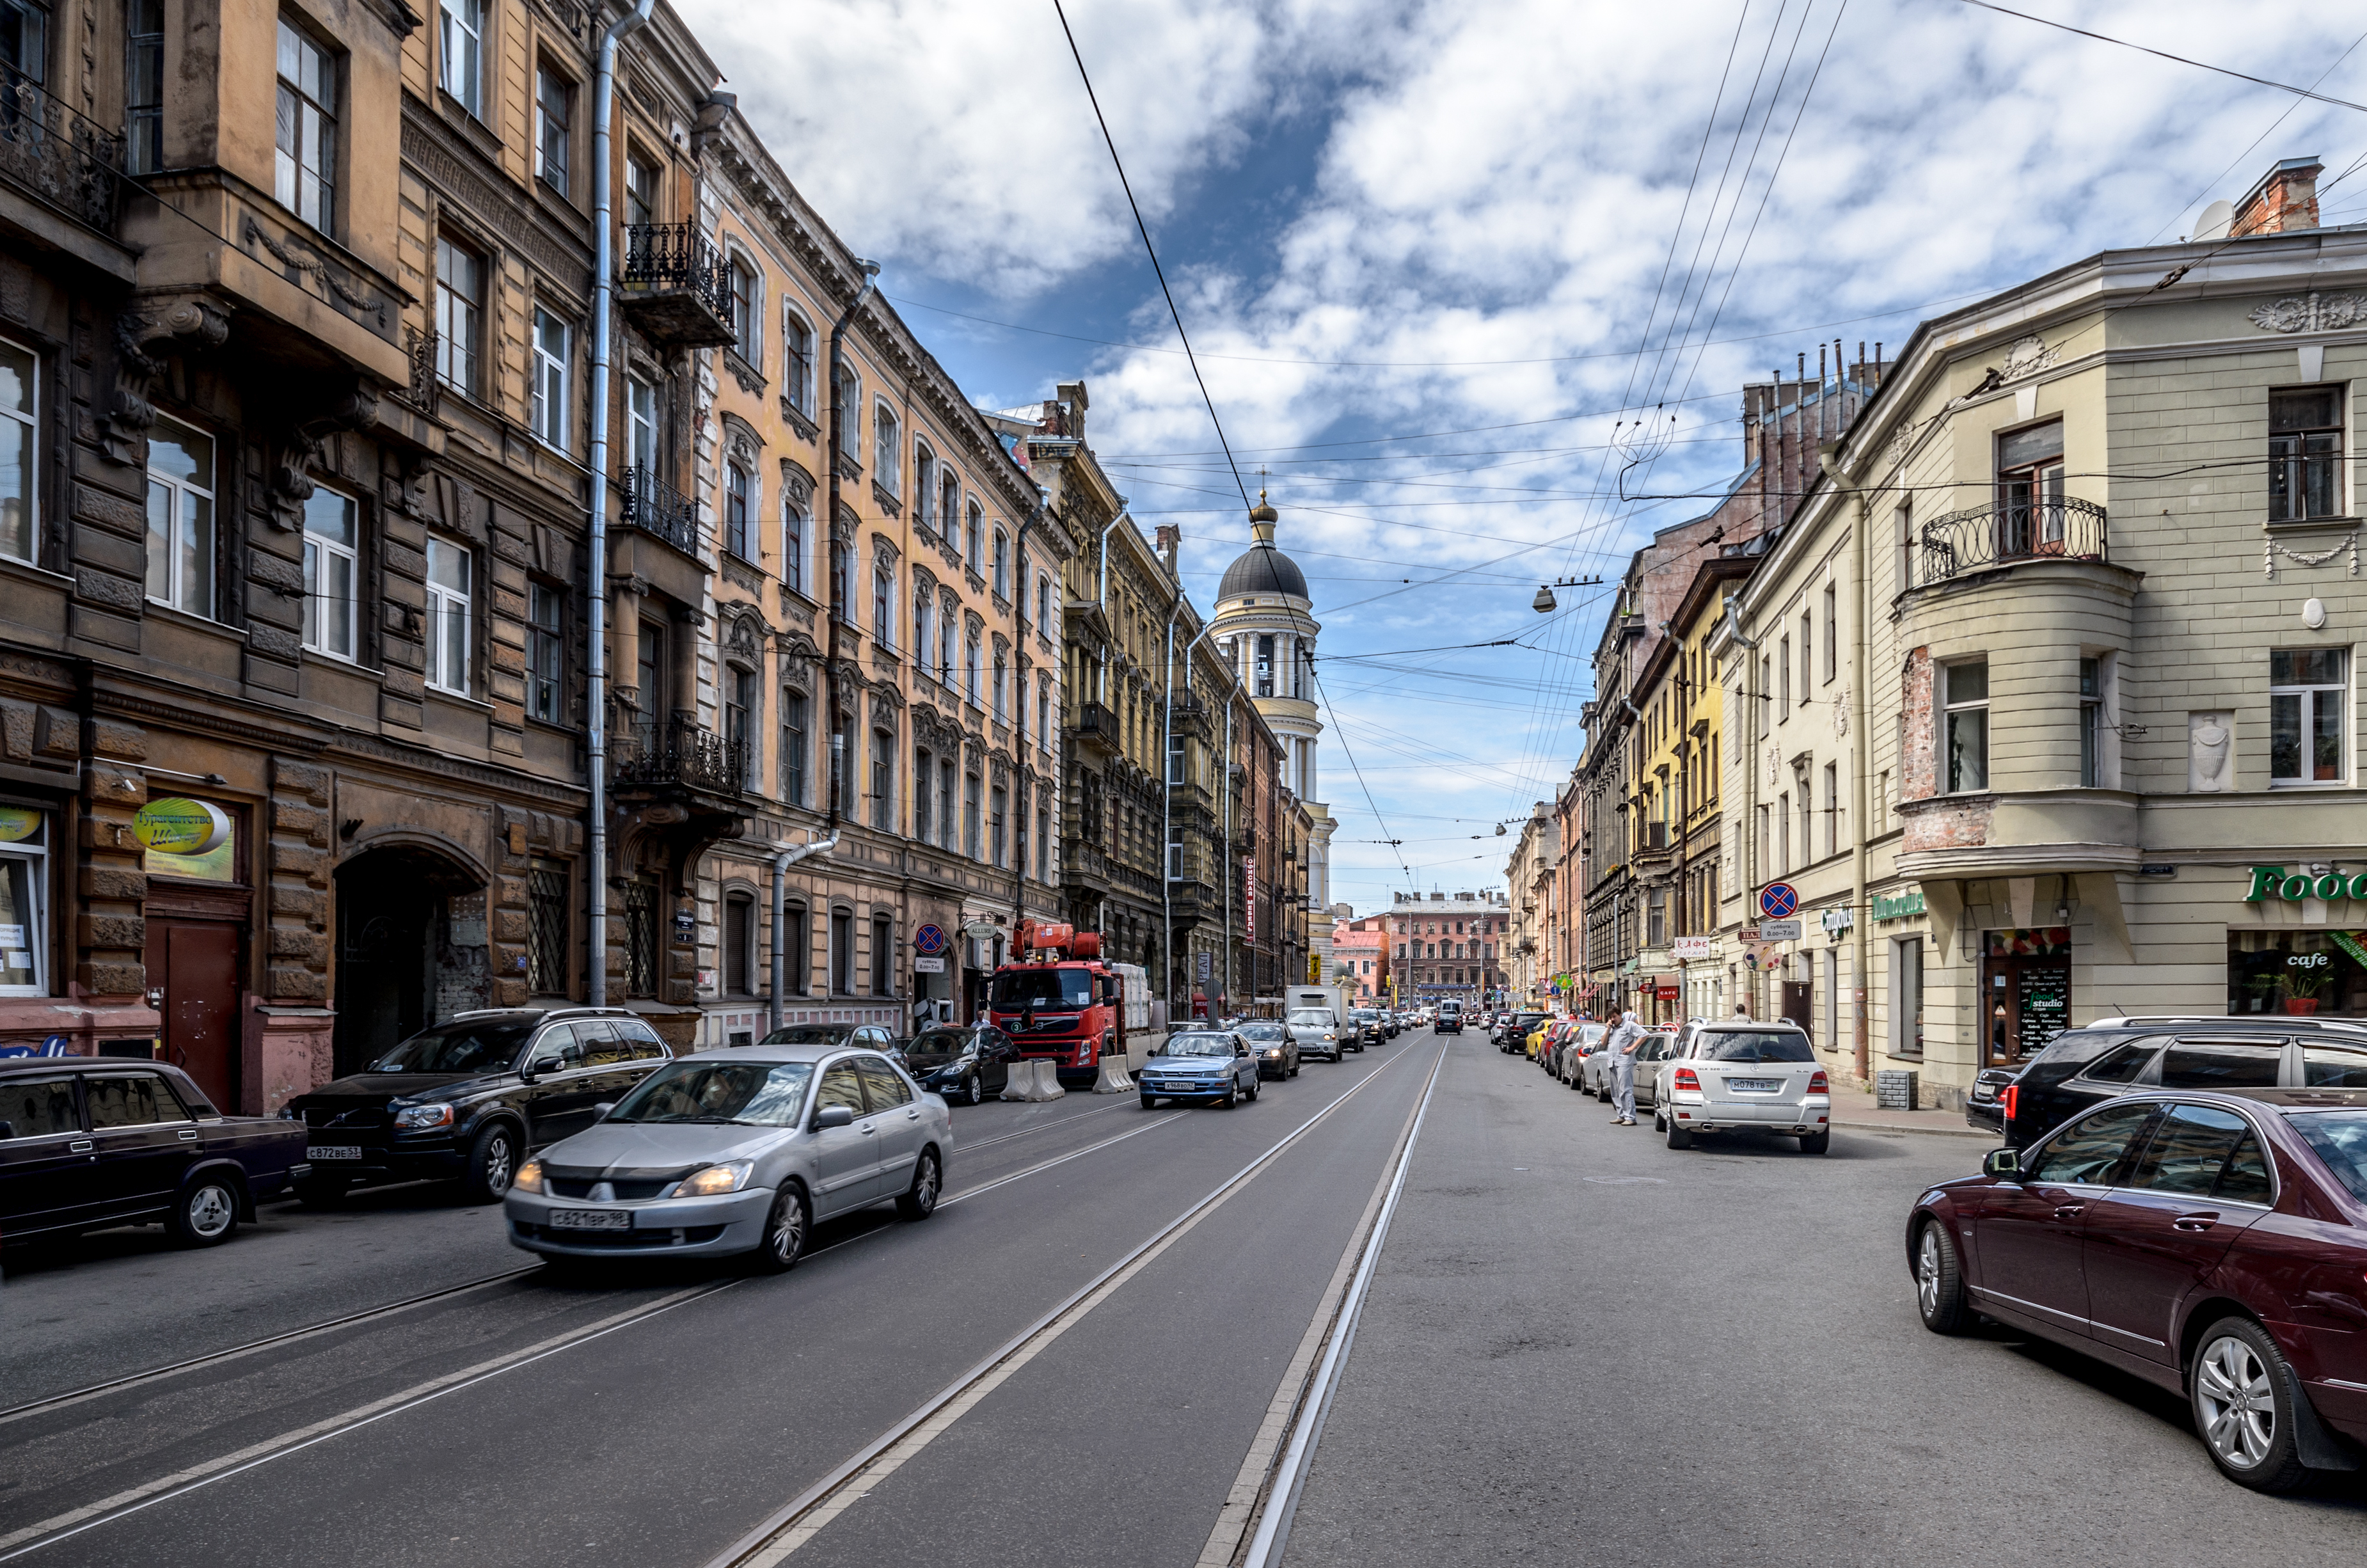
[[176, 825], [2271, 882]]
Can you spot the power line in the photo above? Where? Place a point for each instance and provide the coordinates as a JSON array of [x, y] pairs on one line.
[[2164, 54], [1144, 230], [1349, 753]]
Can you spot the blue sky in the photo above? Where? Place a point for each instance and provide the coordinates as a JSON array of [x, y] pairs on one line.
[[1385, 221]]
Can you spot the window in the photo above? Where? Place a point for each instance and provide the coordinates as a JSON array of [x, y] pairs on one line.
[[1019, 837], [1044, 605], [1176, 852], [1044, 717], [181, 519], [462, 39], [842, 589], [1656, 919], [747, 324], [791, 747], [2092, 721], [640, 191], [1903, 519], [945, 646], [547, 944], [921, 626], [849, 390], [883, 605], [1907, 996], [969, 669], [1001, 682], [1783, 833], [554, 104], [945, 802], [641, 426], [1783, 673], [19, 420], [332, 606], [969, 815], [883, 955], [304, 169], [739, 504], [546, 651], [1807, 657], [1832, 631], [974, 536], [883, 780], [2304, 454], [739, 945], [1966, 746], [887, 449], [794, 528], [23, 906], [448, 616], [842, 767], [997, 814], [641, 936], [841, 952], [1002, 565], [1833, 808], [143, 86], [739, 722], [796, 949], [950, 509], [1264, 665], [2192, 1148], [925, 484], [2030, 491], [1043, 845], [2089, 1152], [923, 773], [551, 379], [2306, 716], [459, 307]]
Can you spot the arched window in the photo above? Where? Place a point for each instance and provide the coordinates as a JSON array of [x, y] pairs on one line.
[[925, 484], [1002, 565], [945, 646], [888, 450], [883, 780], [974, 536], [883, 604], [850, 409], [747, 317], [949, 505], [920, 623], [797, 357], [738, 511], [797, 524]]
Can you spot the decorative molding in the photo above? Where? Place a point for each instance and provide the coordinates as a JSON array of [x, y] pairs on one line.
[[2028, 357], [2271, 549], [145, 334], [2312, 311], [883, 498], [742, 577], [291, 482], [750, 379], [182, 716], [361, 307], [500, 214], [798, 421]]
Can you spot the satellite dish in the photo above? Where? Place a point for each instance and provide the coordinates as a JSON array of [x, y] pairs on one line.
[[2218, 219]]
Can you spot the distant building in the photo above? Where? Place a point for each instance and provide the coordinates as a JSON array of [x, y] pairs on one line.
[[1360, 957], [1447, 948]]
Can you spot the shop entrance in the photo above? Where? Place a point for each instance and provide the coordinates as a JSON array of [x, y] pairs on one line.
[[2026, 992], [1800, 1004], [411, 948], [194, 963]]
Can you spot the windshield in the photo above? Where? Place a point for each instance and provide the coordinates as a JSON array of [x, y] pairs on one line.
[[753, 1093], [1263, 1031], [938, 1043], [1768, 1045], [807, 1034], [1200, 1045], [1018, 989], [1312, 1018], [456, 1048], [2339, 1138]]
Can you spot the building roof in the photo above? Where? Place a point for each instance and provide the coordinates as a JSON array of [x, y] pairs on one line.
[[1262, 568]]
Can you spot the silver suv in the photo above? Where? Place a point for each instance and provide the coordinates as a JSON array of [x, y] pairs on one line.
[[1744, 1075]]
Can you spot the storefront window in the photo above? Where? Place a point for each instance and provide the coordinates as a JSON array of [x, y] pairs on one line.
[[2298, 972], [24, 912], [2025, 991]]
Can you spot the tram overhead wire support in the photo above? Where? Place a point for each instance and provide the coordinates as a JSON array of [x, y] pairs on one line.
[[1545, 604]]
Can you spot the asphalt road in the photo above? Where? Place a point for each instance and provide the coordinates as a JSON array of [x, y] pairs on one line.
[[1579, 1346]]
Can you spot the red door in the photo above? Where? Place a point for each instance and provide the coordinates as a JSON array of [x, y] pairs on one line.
[[194, 963]]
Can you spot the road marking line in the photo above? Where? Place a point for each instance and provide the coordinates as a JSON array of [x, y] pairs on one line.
[[146, 1494], [1039, 1127], [1059, 1159], [805, 1517]]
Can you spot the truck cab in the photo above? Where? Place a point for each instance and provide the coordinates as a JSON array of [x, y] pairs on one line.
[[1061, 1001]]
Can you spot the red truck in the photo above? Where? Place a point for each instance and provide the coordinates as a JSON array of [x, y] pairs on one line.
[[1060, 999]]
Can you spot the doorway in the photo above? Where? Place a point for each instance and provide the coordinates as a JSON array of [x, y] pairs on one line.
[[2026, 992], [193, 963], [1800, 1004], [411, 948]]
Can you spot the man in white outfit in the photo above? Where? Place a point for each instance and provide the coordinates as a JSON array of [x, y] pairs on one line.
[[1622, 1046]]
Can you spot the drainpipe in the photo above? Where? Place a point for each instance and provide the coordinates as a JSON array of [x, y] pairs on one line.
[[782, 862], [604, 287], [839, 581], [1859, 908], [1167, 790], [1101, 598]]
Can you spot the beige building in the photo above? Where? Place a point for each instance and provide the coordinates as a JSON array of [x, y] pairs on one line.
[[2045, 701], [1528, 944]]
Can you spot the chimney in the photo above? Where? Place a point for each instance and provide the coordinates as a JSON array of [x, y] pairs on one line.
[[1073, 394], [1171, 545], [2285, 201]]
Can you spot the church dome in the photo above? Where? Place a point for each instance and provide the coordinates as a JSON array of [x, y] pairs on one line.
[[1262, 568]]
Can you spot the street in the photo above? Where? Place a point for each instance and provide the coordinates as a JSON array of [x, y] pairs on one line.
[[1579, 1345]]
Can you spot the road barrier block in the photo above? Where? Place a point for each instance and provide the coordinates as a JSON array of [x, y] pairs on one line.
[[1037, 1078], [1114, 1078]]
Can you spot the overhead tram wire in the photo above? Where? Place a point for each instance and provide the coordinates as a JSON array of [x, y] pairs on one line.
[[2213, 182], [2181, 59], [1349, 753], [1150, 250]]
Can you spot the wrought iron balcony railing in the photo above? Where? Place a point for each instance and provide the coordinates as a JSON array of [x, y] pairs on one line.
[[2005, 533], [675, 259], [675, 750], [74, 164], [656, 507]]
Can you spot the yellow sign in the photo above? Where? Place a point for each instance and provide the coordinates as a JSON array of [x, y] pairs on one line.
[[17, 824], [176, 825]]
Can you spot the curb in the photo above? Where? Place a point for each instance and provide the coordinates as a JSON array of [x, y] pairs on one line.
[[1840, 1125]]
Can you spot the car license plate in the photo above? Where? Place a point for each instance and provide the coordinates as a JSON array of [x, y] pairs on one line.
[[333, 1151], [591, 1219], [1754, 1085]]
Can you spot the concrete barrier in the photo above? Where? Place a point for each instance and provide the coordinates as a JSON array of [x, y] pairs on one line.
[[1037, 1078], [1114, 1078]]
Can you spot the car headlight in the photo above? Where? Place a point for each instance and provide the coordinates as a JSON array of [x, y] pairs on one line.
[[1329, 1035], [413, 1118], [1274, 1050], [530, 1177], [715, 1180]]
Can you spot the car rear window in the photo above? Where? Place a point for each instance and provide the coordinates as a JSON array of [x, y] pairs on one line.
[[2221, 1064], [2339, 1138], [2191, 1150], [1757, 1045], [2092, 1149], [2075, 1048], [2123, 1066], [2333, 1067], [38, 1107]]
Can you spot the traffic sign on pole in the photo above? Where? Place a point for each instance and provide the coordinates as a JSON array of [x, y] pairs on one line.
[[1779, 901]]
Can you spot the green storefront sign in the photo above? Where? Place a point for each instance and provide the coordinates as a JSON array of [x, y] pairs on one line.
[[2270, 881], [1898, 906]]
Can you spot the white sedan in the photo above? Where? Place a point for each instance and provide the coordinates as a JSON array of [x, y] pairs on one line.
[[1744, 1076]]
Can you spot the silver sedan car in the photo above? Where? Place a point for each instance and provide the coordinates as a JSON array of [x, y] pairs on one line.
[[736, 1151]]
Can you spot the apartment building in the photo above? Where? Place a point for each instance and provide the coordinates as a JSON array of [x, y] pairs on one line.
[[1451, 948], [1528, 935]]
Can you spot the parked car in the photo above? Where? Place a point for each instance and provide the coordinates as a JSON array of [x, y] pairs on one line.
[[1514, 1029], [846, 1037], [1276, 1051], [1450, 1017], [1743, 1075], [2083, 1067], [1214, 1066], [1984, 1103], [1580, 1039], [470, 1098], [2212, 1243], [1593, 1072], [1317, 1033], [86, 1143], [738, 1150], [1656, 1046], [1563, 1047], [964, 1064]]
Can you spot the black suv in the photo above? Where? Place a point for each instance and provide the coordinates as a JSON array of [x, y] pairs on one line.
[[469, 1097], [1514, 1032], [2116, 1056]]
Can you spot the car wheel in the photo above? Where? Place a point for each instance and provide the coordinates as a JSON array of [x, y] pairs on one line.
[[785, 1232], [493, 1164], [207, 1213], [1939, 1281], [1816, 1143], [1679, 1137], [1255, 1084], [2243, 1392], [919, 1200], [974, 1089], [1149, 1102], [1294, 1070], [1232, 1093], [321, 1192]]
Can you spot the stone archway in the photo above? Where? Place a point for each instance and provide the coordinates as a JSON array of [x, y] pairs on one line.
[[411, 947]]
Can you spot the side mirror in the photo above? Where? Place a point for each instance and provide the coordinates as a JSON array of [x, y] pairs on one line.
[[832, 1116], [2002, 1163], [526, 1073], [600, 1111]]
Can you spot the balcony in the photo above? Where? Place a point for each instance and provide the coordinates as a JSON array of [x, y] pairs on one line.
[[658, 509], [675, 287], [47, 150], [676, 751], [2006, 533], [1096, 726]]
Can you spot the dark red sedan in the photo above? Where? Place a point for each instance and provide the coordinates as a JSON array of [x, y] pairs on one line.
[[2213, 1243]]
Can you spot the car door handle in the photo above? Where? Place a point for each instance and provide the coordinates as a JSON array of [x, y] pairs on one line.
[[913, 1116], [866, 1129], [2069, 1211], [2194, 1222], [189, 1135], [79, 1146]]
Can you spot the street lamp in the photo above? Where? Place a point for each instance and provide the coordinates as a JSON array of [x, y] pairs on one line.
[[1545, 604]]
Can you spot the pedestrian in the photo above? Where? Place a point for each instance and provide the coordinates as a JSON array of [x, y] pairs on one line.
[[1622, 1046], [1742, 1010]]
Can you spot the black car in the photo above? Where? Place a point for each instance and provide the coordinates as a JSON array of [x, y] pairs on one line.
[[2083, 1067], [1277, 1053], [1367, 1022], [1513, 1033], [1449, 1019], [849, 1036], [87, 1142], [469, 1098], [965, 1064]]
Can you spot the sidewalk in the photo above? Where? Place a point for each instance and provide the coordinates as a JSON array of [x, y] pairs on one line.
[[1855, 1112]]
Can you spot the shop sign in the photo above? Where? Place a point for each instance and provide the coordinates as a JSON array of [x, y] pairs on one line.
[[1665, 992], [928, 966], [1834, 920], [17, 824], [1899, 906], [1687, 950], [176, 825], [2270, 881]]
